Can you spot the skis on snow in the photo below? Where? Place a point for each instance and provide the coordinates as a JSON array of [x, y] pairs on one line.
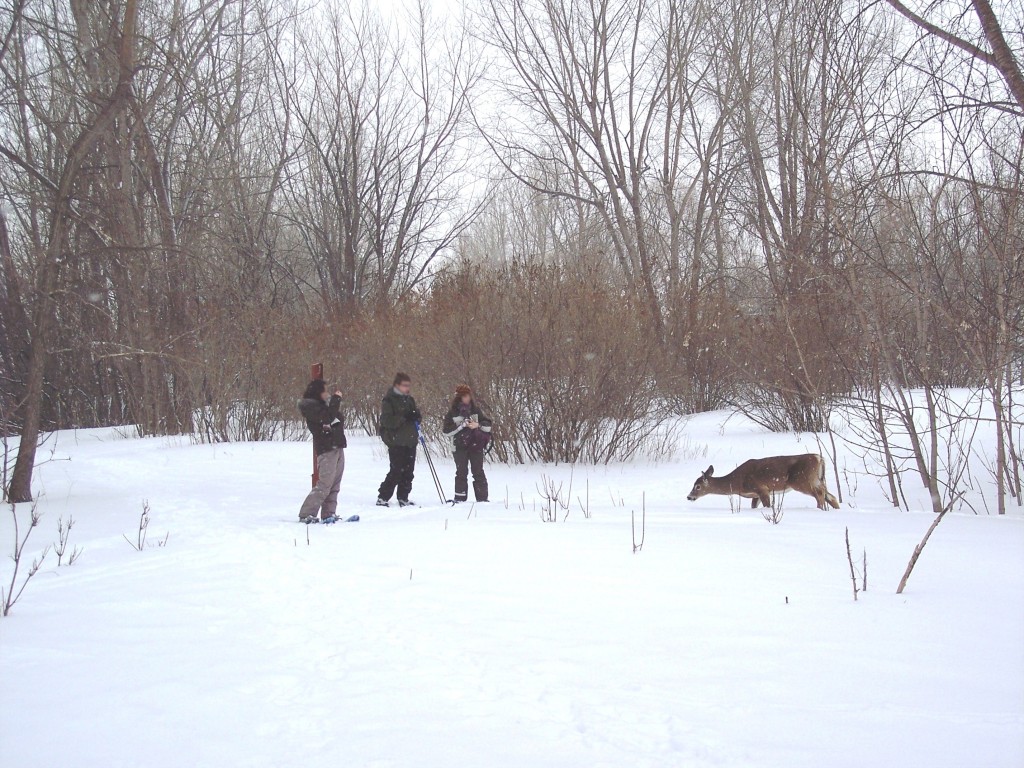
[[330, 520]]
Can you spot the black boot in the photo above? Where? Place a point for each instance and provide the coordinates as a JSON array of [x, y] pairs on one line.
[[480, 490]]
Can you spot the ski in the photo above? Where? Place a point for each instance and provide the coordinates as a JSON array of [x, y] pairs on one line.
[[330, 520]]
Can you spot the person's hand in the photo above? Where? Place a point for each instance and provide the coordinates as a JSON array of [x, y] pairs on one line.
[[337, 393], [414, 415], [472, 424]]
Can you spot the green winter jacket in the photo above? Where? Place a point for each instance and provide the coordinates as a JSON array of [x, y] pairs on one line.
[[398, 415]]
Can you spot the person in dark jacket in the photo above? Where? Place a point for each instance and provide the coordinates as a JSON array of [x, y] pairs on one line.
[[470, 431], [327, 424], [399, 418]]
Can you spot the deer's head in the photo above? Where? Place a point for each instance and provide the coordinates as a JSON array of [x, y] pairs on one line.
[[702, 486]]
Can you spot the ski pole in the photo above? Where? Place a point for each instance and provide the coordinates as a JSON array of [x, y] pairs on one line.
[[433, 471], [430, 464]]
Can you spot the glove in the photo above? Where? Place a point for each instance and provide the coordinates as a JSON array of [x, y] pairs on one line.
[[413, 415]]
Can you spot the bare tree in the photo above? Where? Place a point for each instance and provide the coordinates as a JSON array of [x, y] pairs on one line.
[[117, 57], [377, 192], [965, 208], [985, 43], [805, 72], [614, 108]]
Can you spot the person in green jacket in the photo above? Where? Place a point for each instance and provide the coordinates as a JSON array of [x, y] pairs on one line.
[[399, 418]]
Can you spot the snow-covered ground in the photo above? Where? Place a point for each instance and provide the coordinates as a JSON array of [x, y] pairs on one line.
[[481, 636]]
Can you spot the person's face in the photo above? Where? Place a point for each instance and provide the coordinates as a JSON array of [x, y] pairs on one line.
[[325, 395], [466, 399], [404, 387]]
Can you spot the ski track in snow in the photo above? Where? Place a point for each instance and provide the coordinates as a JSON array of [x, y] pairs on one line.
[[515, 642]]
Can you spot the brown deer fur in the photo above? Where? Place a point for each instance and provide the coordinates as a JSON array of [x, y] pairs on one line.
[[758, 479]]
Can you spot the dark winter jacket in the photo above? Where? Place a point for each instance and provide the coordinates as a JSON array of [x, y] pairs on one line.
[[326, 422], [398, 417], [461, 435]]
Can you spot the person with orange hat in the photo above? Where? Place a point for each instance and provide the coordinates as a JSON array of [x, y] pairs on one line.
[[470, 431]]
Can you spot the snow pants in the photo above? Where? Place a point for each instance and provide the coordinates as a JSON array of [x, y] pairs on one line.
[[401, 473], [464, 459], [330, 467]]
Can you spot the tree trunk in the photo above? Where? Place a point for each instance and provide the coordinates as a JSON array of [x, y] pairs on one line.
[[43, 313]]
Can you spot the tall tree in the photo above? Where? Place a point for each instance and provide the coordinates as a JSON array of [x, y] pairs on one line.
[[379, 186], [115, 53]]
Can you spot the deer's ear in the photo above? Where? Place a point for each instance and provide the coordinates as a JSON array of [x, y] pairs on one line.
[[711, 471]]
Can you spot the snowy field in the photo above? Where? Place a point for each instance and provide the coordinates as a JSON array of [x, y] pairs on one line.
[[482, 636]]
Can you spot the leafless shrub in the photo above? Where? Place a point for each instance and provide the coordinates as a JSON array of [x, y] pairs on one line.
[[852, 481], [688, 450], [584, 503], [927, 432], [63, 535], [515, 335], [639, 545], [780, 410], [773, 514], [849, 559], [14, 590], [553, 500], [568, 370], [140, 536], [240, 400]]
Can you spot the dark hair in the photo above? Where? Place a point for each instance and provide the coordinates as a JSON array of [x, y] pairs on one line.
[[401, 378], [315, 389], [458, 401]]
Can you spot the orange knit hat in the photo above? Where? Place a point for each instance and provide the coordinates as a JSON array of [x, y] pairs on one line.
[[462, 390]]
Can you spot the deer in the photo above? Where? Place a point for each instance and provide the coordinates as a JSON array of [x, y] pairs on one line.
[[757, 479]]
